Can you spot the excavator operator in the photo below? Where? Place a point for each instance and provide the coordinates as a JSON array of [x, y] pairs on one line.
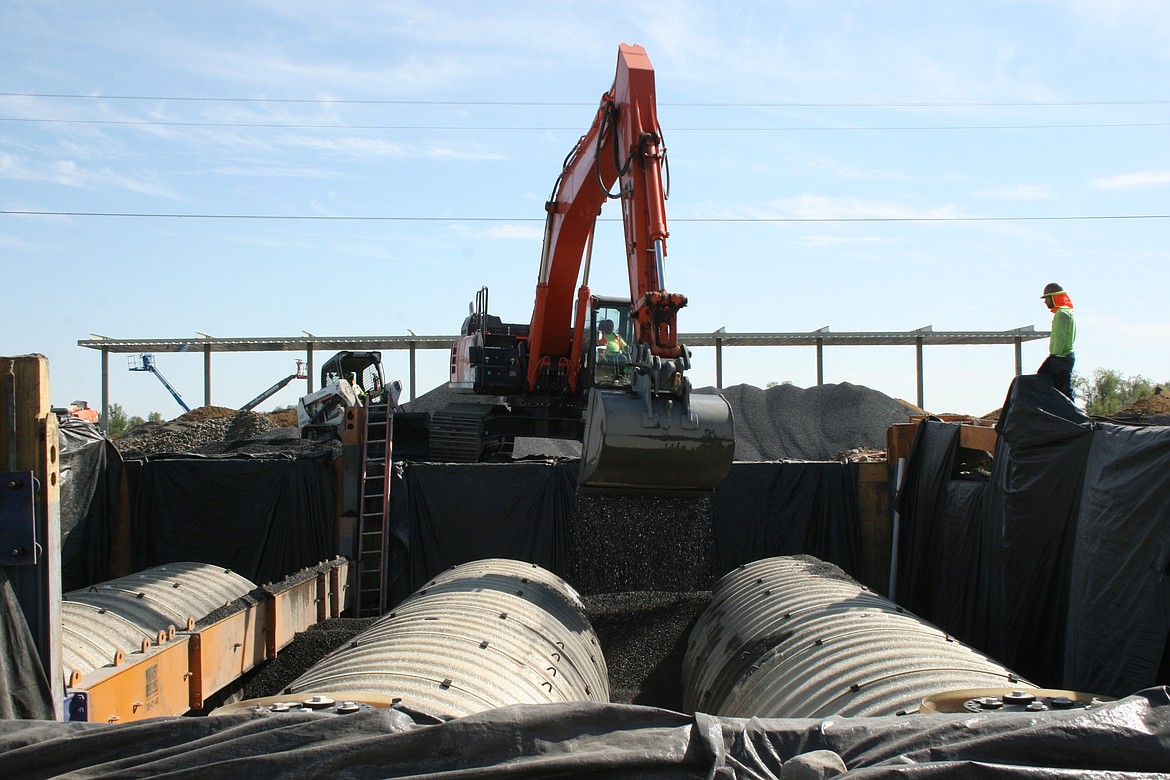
[[613, 345]]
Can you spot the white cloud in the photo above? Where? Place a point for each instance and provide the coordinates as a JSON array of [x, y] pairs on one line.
[[1130, 180], [826, 240], [1019, 192], [68, 173]]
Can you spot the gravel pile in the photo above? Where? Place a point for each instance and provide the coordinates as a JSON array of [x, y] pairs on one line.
[[817, 423], [641, 543], [306, 649], [644, 637], [216, 430]]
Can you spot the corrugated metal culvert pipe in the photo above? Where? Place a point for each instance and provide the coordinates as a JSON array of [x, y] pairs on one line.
[[116, 616], [794, 637], [481, 635]]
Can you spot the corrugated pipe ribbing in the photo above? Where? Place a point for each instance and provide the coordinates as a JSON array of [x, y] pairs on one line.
[[480, 635], [794, 637]]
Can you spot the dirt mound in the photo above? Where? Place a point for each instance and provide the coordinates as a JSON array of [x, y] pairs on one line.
[[205, 413], [285, 418], [1151, 406], [216, 430]]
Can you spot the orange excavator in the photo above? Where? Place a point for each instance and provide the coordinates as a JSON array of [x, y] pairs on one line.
[[607, 371]]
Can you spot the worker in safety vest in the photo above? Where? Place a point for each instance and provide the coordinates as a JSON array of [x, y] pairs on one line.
[[613, 343], [1060, 360]]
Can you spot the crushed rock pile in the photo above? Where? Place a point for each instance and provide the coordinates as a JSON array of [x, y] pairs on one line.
[[216, 430], [786, 422]]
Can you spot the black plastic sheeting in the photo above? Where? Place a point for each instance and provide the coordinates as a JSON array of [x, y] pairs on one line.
[[761, 510], [90, 472], [585, 740], [1119, 595], [443, 515], [267, 516], [24, 687], [262, 517], [1059, 565]]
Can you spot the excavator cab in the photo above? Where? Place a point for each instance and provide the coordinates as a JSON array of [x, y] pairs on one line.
[[610, 363]]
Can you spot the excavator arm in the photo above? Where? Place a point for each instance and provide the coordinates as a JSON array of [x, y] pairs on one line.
[[642, 430], [654, 435], [624, 145]]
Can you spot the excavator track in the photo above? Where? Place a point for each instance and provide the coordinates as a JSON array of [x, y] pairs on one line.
[[457, 434]]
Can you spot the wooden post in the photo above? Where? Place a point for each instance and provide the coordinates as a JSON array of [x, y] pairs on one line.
[[28, 440]]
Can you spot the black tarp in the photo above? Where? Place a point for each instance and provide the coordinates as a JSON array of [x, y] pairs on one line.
[[761, 510], [443, 515], [1127, 738], [90, 472], [1119, 595], [262, 517], [1058, 565], [447, 514], [24, 686], [921, 505], [1045, 443]]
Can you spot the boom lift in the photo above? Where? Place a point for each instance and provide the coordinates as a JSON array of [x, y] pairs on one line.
[[563, 375], [276, 388], [146, 363]]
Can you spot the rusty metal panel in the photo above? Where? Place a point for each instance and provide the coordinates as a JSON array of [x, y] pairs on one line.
[[479, 636], [794, 637], [223, 651], [303, 599], [148, 683]]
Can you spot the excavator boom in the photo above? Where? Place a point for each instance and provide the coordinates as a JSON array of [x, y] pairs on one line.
[[623, 145], [642, 429]]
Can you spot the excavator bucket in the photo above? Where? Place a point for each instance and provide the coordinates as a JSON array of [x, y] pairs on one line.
[[644, 444]]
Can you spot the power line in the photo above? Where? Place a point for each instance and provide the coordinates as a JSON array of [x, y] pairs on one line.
[[703, 220], [330, 101], [502, 128]]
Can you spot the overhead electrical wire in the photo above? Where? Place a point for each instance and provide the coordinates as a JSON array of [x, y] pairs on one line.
[[762, 220], [331, 101], [705, 220], [498, 128]]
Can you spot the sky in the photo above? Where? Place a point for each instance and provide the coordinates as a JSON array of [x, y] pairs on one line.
[[862, 166]]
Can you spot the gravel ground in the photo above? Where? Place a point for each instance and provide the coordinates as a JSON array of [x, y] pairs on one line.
[[644, 637], [306, 649]]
